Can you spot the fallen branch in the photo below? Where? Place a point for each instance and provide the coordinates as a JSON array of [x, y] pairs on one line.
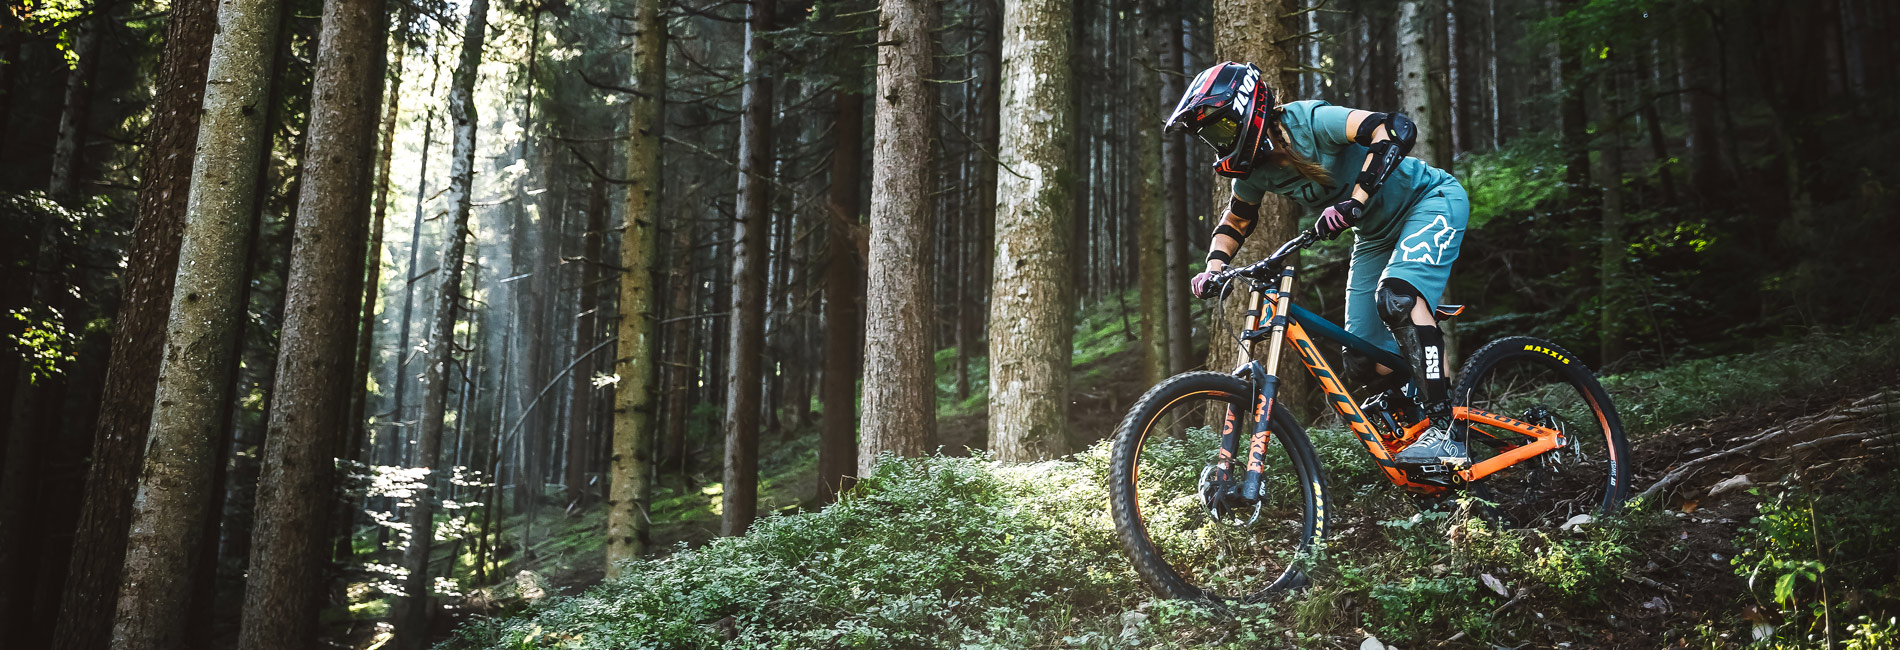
[[1647, 582], [1519, 597]]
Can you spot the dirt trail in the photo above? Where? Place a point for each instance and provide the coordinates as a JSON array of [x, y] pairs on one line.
[[1685, 575]]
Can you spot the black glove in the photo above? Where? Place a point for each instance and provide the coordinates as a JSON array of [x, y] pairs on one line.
[[1336, 219]]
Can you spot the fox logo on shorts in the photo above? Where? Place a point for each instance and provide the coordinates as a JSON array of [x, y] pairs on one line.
[[1428, 244]]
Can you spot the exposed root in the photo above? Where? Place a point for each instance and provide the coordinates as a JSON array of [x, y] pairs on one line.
[[1859, 421]]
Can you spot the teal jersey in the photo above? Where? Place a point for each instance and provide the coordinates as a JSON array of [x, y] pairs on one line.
[[1317, 131]]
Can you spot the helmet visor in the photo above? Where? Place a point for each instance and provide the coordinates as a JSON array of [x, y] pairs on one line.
[[1221, 132]]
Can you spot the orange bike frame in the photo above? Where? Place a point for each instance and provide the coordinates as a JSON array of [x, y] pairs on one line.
[[1382, 445]]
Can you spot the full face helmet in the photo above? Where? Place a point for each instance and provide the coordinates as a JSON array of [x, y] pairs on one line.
[[1230, 109]]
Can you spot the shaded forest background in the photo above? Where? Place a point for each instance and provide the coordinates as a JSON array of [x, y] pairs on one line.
[[535, 273]]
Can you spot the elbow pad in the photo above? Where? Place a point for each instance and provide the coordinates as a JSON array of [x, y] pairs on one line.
[[1401, 128], [1388, 153], [1239, 221], [1386, 156]]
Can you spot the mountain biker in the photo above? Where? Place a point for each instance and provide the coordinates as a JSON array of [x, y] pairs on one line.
[[1408, 217]]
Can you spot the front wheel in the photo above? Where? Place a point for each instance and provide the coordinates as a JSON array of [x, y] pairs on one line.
[[1186, 544], [1537, 382]]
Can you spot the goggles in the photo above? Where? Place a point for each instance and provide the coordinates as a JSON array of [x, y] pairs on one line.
[[1220, 132]]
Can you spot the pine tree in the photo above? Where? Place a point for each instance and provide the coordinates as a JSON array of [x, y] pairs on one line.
[[412, 618], [138, 340], [1031, 294], [844, 301], [193, 381], [284, 588], [751, 235], [630, 464], [899, 406]]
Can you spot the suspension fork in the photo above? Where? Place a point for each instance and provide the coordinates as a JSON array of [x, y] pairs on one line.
[[1265, 379]]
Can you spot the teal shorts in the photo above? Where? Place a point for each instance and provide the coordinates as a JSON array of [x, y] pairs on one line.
[[1419, 252]]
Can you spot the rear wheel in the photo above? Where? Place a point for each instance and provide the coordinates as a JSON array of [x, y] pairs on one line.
[[1540, 383], [1185, 544]]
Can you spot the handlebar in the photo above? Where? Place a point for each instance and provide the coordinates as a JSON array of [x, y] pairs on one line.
[[1268, 266]]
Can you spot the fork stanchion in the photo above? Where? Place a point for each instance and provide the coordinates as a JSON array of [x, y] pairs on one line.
[[1278, 322]]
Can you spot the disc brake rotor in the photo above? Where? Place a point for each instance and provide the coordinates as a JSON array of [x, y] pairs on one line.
[[1217, 496], [1568, 453]]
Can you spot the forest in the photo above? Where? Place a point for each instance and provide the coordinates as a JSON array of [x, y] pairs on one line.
[[810, 323]]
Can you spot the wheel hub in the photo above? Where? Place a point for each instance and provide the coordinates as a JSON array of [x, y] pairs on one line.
[[1567, 452], [1220, 495]]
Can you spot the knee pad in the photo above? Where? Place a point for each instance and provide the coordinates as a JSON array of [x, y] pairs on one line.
[[1396, 300]]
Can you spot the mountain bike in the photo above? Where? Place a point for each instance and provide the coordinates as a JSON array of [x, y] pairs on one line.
[[1202, 521]]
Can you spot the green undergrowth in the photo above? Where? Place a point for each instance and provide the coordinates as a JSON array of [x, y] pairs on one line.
[[1820, 554], [972, 553], [925, 553]]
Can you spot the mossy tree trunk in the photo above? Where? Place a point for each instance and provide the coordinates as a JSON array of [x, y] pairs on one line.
[[193, 385], [1032, 294], [630, 465]]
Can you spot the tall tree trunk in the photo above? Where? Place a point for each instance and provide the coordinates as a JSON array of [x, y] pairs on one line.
[[174, 495], [1174, 173], [899, 407], [681, 351], [1422, 80], [1853, 49], [1032, 298], [415, 609], [1491, 68], [1455, 97], [294, 496], [580, 425], [1251, 30], [988, 113], [1652, 120], [125, 409], [352, 444], [1571, 109], [386, 449], [69, 144], [751, 235], [844, 302], [1708, 175], [1151, 214], [630, 468], [396, 447], [1610, 157]]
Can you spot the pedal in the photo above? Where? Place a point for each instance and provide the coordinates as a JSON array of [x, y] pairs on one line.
[[1444, 472]]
